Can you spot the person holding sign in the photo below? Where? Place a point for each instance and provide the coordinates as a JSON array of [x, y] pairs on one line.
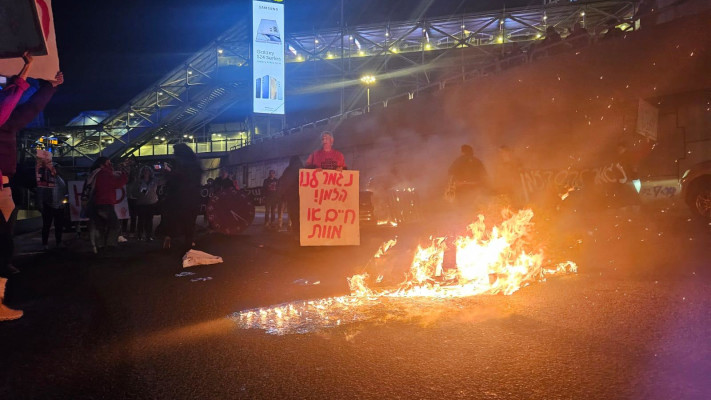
[[18, 118], [327, 157], [12, 93]]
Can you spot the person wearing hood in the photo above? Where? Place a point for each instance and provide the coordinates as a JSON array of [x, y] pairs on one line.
[[182, 203], [146, 195]]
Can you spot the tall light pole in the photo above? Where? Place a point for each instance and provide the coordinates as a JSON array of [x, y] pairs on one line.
[[368, 81]]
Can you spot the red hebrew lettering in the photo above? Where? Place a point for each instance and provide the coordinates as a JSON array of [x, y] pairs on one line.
[[336, 232], [307, 179], [314, 181], [331, 215], [313, 214], [331, 178], [316, 228], [350, 182], [122, 195], [352, 214]]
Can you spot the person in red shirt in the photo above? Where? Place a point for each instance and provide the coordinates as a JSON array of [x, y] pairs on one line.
[[327, 157], [104, 218]]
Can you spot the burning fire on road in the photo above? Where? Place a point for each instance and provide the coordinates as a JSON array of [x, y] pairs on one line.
[[495, 260]]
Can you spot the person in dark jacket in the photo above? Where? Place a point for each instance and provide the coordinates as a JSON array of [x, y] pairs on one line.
[[289, 190], [223, 182], [271, 198], [146, 195], [182, 202], [468, 178], [22, 115]]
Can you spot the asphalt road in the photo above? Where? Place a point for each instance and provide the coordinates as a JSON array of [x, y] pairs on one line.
[[632, 323]]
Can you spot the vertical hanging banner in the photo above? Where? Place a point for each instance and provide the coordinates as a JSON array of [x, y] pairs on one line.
[[268, 57], [28, 25], [329, 213]]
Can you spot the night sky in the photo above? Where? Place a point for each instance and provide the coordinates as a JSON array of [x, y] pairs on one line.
[[111, 50]]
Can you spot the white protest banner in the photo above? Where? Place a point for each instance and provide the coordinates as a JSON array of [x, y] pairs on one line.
[[121, 206], [75, 188], [329, 213], [34, 18]]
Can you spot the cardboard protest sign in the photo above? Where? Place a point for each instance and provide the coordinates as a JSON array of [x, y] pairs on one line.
[[75, 188], [329, 213], [28, 25]]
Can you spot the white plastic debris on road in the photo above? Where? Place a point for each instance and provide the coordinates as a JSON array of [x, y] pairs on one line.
[[197, 257]]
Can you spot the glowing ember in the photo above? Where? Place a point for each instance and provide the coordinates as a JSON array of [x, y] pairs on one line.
[[565, 195], [487, 262], [387, 222]]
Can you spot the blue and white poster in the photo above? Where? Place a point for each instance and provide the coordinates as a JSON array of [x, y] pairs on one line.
[[268, 57]]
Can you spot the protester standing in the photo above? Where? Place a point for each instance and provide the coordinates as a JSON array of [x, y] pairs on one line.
[[146, 194], [51, 201], [182, 202], [288, 189], [107, 181], [128, 226], [327, 157], [223, 182], [271, 199], [468, 178]]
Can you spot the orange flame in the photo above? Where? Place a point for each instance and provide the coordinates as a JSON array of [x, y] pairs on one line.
[[487, 261], [495, 260]]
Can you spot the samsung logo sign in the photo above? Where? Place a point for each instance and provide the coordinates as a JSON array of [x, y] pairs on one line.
[[268, 8]]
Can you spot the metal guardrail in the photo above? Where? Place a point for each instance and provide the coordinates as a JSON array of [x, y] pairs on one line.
[[214, 146]]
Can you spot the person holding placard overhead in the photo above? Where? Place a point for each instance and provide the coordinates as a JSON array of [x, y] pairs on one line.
[[327, 157]]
